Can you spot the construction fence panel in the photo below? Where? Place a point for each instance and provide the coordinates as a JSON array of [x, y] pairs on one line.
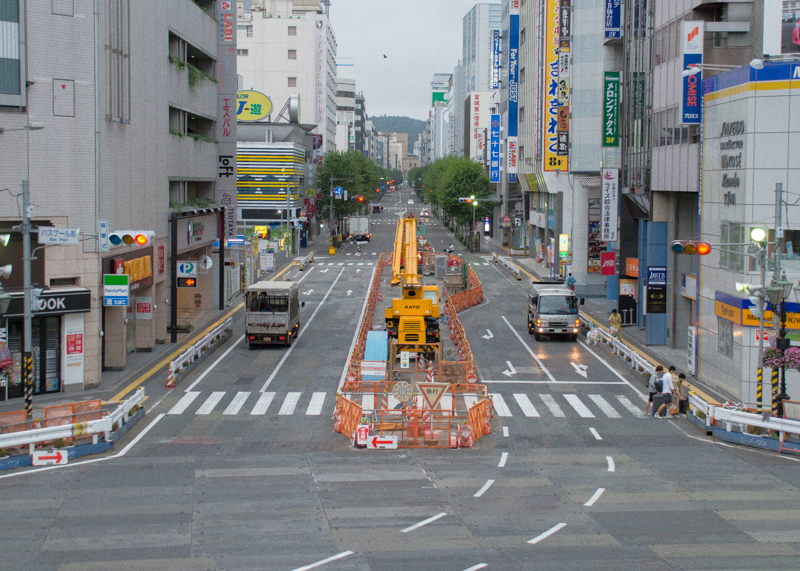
[[351, 414], [16, 421]]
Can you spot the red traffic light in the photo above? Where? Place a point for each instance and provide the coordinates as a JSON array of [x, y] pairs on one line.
[[691, 247], [361, 199]]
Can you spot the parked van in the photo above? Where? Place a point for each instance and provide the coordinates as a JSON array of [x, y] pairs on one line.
[[552, 310], [272, 313]]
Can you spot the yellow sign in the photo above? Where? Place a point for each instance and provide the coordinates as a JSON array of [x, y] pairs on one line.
[[552, 160], [311, 192], [138, 269], [253, 106]]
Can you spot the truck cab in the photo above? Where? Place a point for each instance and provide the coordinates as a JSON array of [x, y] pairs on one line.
[[552, 310]]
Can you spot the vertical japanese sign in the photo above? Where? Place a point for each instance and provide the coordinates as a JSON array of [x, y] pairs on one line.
[[613, 18], [495, 84], [513, 93], [609, 227], [611, 109], [227, 107], [494, 149], [692, 48], [564, 32], [550, 135]]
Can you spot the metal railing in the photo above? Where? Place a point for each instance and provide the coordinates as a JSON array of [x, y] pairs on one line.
[[636, 360], [306, 260], [204, 344], [507, 265]]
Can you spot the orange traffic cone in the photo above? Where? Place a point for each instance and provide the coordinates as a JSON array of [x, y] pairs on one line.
[[170, 380]]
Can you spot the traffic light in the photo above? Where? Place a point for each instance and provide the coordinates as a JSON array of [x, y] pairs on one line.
[[361, 199], [187, 282], [131, 237], [467, 200], [690, 247]]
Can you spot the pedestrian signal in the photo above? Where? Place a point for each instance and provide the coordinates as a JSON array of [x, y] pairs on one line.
[[691, 247]]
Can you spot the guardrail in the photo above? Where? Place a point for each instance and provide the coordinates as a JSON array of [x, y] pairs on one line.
[[92, 428], [204, 344], [305, 261], [636, 360], [508, 265]]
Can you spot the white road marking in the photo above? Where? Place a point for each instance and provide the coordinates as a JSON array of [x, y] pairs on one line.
[[505, 431], [184, 403], [595, 434], [551, 403], [553, 382], [595, 497], [476, 567], [629, 405], [500, 405], [368, 402], [526, 405], [603, 405], [214, 364], [485, 487], [315, 406], [488, 335], [511, 370], [470, 401], [580, 369], [300, 335], [341, 555], [547, 533], [263, 403], [289, 404], [610, 368], [578, 405], [212, 401], [503, 458], [237, 403], [611, 466], [532, 354], [423, 522], [446, 402]]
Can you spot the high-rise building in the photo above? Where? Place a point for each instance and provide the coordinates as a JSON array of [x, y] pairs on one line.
[[345, 114]]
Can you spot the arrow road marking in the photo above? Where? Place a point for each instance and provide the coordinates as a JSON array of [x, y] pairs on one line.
[[309, 292], [325, 271], [489, 335], [580, 369], [349, 292], [511, 370]]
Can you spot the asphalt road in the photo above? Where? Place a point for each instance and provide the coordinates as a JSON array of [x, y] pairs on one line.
[[238, 468]]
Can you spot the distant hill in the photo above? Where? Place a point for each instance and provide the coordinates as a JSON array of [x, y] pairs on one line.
[[394, 124]]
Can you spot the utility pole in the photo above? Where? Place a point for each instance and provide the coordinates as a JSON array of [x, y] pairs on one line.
[[330, 213], [776, 274], [27, 348]]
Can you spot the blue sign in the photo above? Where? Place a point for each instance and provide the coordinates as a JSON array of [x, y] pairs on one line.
[[338, 191], [513, 74], [494, 149], [613, 17], [495, 82], [692, 110], [656, 275]]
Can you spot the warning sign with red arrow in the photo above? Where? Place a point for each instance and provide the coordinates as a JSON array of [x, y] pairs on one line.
[[382, 442], [50, 457], [432, 392]]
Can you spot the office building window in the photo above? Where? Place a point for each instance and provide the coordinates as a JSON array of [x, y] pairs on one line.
[[729, 256], [521, 114], [522, 36], [522, 75], [241, 52], [292, 82], [292, 30], [725, 337], [292, 54]]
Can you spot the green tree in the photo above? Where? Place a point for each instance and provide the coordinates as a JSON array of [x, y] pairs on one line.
[[366, 177], [463, 178]]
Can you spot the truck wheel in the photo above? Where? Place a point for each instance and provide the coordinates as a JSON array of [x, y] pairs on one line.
[[537, 336], [574, 336], [289, 342]]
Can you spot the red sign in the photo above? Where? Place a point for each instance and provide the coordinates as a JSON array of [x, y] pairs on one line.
[[119, 266], [160, 257], [362, 434], [143, 307], [607, 263], [311, 208], [75, 344], [506, 219]]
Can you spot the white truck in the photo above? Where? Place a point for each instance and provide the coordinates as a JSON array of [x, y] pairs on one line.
[[552, 310], [358, 228], [272, 313]]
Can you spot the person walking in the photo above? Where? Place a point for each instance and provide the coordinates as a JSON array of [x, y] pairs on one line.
[[667, 389], [615, 321], [651, 386], [571, 282]]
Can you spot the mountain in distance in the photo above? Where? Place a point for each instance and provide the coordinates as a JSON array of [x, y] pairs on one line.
[[394, 124]]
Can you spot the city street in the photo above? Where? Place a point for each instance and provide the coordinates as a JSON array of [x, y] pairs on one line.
[[238, 467]]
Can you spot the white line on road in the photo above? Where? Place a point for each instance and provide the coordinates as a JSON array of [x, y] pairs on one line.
[[341, 555], [214, 364], [526, 405], [300, 335], [263, 403], [624, 401], [237, 403], [503, 458], [423, 522], [211, 402], [184, 403], [476, 567], [485, 487], [611, 466], [547, 533], [578, 405], [610, 368], [535, 358], [505, 431], [551, 403], [289, 404], [595, 497], [603, 405], [554, 382], [595, 434], [357, 331], [315, 406], [500, 405]]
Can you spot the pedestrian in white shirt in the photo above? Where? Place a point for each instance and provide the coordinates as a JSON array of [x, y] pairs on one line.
[[666, 391]]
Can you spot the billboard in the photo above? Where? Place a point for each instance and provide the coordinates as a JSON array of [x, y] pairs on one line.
[[692, 49], [495, 81], [478, 105], [609, 227], [438, 98], [494, 149], [551, 139], [611, 109], [513, 95], [613, 18], [253, 106], [781, 28]]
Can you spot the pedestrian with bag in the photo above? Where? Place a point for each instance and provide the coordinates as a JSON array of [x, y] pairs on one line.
[[667, 389], [654, 386], [615, 322], [571, 282]]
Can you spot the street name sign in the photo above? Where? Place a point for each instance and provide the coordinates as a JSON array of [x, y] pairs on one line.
[[62, 236]]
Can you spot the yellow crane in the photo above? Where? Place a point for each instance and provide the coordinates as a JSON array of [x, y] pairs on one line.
[[413, 318]]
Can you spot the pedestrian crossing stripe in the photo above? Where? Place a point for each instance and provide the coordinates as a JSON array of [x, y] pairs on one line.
[[525, 403]]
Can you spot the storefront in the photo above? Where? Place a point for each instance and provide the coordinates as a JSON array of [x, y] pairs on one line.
[[57, 329]]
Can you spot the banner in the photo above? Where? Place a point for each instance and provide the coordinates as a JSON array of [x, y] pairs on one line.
[[513, 95], [613, 18], [494, 149], [611, 109], [609, 227], [692, 48], [551, 140], [495, 82]]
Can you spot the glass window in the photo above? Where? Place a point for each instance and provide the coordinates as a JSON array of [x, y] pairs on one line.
[[292, 30], [292, 82], [725, 337], [46, 355], [557, 305], [732, 259], [292, 54]]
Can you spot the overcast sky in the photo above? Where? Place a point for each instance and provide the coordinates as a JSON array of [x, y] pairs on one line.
[[418, 37]]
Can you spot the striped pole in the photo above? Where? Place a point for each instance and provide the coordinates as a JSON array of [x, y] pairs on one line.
[[774, 392], [27, 371], [759, 388]]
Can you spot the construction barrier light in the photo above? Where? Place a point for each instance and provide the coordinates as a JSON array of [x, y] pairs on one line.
[[691, 247], [131, 237]]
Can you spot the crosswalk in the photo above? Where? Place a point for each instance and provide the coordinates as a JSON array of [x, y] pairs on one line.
[[564, 405]]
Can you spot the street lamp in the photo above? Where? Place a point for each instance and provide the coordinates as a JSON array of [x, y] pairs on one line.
[[697, 68], [777, 292]]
